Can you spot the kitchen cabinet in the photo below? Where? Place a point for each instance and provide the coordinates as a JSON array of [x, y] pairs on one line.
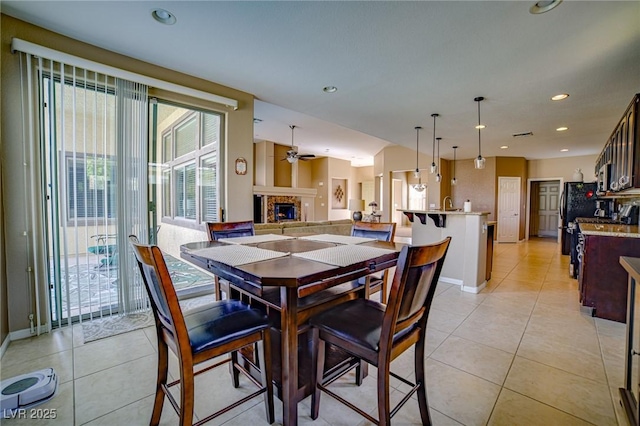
[[622, 152], [602, 280], [629, 394]]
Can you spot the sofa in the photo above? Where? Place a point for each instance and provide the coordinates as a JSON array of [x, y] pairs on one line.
[[338, 227]]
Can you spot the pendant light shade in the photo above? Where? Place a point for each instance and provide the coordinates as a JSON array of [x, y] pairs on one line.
[[454, 181], [434, 167], [438, 176], [416, 174], [479, 161]]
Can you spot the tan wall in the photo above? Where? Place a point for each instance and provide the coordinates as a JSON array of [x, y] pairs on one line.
[[320, 181], [563, 167], [341, 169], [515, 167], [239, 129], [304, 174], [477, 186], [398, 158], [282, 169]]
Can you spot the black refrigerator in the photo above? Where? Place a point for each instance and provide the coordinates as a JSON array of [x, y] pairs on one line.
[[578, 200]]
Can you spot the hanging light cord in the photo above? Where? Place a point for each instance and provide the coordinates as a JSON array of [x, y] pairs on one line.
[[417, 139], [454, 161], [479, 144], [433, 144]]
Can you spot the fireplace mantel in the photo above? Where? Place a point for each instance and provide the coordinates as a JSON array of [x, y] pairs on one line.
[[286, 191]]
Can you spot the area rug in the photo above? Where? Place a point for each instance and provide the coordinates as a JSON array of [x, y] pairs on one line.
[[113, 325]]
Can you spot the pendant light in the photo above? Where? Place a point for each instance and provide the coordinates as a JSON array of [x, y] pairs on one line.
[[418, 186], [438, 176], [434, 168], [479, 161], [454, 181]]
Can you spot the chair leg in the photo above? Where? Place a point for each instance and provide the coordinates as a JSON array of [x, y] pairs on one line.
[[264, 357], [163, 366], [217, 289], [186, 393], [383, 289], [362, 370], [317, 372], [235, 374], [421, 381], [384, 406]]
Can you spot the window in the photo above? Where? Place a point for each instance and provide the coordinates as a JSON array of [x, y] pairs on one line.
[[190, 143], [90, 188]]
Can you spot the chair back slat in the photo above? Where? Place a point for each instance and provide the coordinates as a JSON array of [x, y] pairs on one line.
[[413, 287], [217, 230], [383, 231]]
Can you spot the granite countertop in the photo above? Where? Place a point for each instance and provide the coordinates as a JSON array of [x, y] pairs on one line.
[[610, 230], [452, 212]]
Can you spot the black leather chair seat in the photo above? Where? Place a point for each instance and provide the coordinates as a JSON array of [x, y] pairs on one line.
[[222, 322], [358, 322]]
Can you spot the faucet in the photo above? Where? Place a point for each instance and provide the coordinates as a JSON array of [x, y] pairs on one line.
[[444, 208]]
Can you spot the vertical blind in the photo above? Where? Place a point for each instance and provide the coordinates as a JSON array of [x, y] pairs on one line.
[[85, 146]]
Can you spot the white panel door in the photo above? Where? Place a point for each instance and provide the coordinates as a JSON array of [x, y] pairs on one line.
[[549, 199], [508, 209]]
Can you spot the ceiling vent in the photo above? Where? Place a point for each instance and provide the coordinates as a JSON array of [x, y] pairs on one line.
[[522, 135]]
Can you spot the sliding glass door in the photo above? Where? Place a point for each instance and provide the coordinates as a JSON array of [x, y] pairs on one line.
[[93, 136]]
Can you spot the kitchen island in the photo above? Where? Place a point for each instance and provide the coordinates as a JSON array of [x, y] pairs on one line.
[[601, 278], [466, 261]]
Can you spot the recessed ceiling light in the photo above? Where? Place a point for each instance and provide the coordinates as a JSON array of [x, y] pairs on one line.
[[543, 6], [564, 150], [163, 16], [480, 126], [560, 97], [330, 89], [562, 129], [504, 147]]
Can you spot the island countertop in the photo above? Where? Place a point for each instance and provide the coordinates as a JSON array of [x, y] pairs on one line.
[[456, 212], [610, 230]]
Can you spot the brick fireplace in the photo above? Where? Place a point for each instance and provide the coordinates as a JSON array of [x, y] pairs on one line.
[[285, 201]]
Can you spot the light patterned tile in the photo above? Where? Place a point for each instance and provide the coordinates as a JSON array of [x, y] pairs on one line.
[[106, 353], [461, 396], [480, 360], [513, 409], [578, 396], [137, 413], [108, 390]]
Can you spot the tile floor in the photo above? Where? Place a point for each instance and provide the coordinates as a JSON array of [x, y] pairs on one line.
[[518, 353]]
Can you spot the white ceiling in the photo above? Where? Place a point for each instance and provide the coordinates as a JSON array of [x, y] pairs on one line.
[[394, 63]]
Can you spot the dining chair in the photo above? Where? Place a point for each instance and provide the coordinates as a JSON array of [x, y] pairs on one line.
[[198, 335], [383, 231], [378, 334], [218, 230]]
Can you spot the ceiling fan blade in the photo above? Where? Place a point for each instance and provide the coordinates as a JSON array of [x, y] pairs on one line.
[[305, 156]]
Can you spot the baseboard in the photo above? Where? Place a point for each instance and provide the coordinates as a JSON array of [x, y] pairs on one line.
[[475, 290], [26, 333], [450, 280], [5, 345]]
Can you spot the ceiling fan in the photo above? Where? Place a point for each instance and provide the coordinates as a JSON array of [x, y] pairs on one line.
[[292, 154]]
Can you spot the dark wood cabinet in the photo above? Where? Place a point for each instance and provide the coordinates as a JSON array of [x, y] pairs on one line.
[[602, 280], [622, 151]]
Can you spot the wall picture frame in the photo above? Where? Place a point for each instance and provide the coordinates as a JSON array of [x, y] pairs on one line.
[[241, 166]]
